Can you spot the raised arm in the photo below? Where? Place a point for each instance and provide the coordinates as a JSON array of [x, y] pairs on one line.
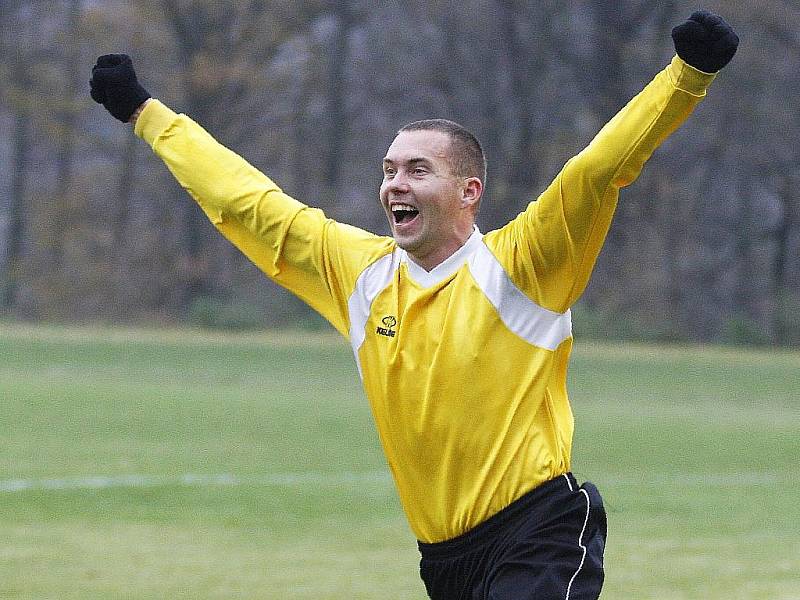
[[297, 246], [550, 249]]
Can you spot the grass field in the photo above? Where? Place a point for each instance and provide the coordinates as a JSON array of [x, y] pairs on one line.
[[142, 464]]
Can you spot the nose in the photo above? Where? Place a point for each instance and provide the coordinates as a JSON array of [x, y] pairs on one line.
[[397, 184]]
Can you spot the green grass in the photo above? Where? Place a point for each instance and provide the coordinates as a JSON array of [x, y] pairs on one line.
[[694, 449]]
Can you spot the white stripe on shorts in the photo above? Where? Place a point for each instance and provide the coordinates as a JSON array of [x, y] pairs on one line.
[[580, 537]]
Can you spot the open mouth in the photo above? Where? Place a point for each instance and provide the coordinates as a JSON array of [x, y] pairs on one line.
[[403, 213]]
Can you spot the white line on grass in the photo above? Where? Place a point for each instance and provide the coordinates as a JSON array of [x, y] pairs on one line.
[[316, 478], [724, 480], [193, 480]]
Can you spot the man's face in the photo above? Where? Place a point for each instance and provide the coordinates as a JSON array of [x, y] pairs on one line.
[[422, 197]]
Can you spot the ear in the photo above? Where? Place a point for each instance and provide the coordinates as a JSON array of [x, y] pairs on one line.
[[471, 193]]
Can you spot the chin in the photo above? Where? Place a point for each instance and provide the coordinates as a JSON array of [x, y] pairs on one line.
[[406, 243]]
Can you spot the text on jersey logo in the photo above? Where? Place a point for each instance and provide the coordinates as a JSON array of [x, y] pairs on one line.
[[387, 330]]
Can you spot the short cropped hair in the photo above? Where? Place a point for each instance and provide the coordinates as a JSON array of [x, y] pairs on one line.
[[466, 155]]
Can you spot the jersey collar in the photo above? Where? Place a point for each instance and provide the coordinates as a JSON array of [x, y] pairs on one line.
[[445, 268]]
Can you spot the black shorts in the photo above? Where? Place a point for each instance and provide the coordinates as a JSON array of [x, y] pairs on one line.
[[546, 545]]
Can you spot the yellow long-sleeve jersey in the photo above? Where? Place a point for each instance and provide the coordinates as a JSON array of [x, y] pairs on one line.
[[464, 366]]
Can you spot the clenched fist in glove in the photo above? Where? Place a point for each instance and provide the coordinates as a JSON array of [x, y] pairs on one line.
[[114, 85], [705, 41]]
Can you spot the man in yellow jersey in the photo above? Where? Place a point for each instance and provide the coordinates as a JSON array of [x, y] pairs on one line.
[[461, 338]]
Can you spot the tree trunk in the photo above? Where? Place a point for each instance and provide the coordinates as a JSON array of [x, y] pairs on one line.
[[16, 226], [65, 215], [522, 170], [337, 123]]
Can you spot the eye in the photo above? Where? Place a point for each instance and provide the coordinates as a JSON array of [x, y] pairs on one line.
[[420, 171], [388, 172]]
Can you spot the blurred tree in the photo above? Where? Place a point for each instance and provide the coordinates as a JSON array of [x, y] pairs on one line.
[[16, 93], [344, 14], [221, 49], [705, 245], [73, 76], [526, 55]]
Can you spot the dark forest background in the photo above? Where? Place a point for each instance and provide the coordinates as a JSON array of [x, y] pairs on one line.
[[705, 246]]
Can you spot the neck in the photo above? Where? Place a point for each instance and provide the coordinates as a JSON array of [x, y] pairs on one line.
[[431, 260]]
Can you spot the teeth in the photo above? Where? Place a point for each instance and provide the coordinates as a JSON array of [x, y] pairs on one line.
[[405, 207]]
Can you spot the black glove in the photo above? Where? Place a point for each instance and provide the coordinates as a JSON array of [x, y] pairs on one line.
[[705, 41], [114, 85]]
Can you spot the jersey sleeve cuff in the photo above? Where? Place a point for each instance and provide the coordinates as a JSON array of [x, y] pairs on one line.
[[688, 79], [153, 120]]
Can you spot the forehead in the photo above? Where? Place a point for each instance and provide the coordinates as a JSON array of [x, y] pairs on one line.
[[413, 145]]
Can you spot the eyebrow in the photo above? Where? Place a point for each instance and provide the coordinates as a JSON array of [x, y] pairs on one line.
[[410, 161]]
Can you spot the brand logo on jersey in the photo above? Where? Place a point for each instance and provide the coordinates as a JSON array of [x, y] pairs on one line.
[[387, 330]]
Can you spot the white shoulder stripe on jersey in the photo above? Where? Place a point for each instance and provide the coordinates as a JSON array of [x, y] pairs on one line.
[[370, 282], [533, 323]]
